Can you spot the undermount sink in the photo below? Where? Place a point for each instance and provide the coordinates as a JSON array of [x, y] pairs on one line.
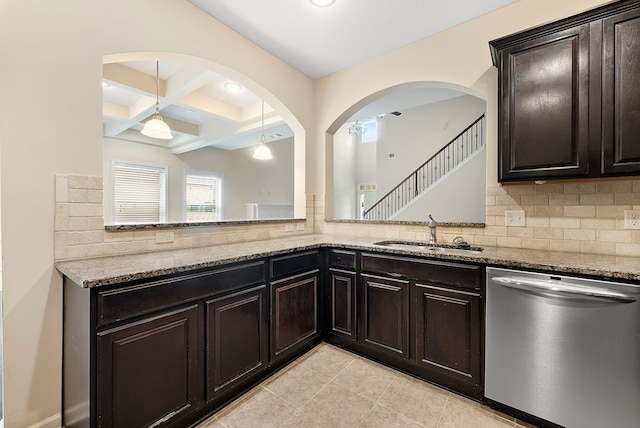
[[430, 248]]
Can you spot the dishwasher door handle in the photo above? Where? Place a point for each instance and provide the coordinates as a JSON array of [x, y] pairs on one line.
[[555, 288]]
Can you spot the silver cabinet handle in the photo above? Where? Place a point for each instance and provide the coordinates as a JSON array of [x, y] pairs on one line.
[[395, 275], [551, 288]]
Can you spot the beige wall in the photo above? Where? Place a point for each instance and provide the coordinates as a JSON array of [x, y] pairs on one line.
[[50, 123]]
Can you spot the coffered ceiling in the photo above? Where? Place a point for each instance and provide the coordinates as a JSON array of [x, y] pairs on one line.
[[193, 101]]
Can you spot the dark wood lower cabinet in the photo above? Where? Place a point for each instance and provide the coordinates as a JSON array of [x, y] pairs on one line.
[[342, 303], [294, 313], [148, 370], [237, 341], [385, 315], [168, 351], [447, 328]]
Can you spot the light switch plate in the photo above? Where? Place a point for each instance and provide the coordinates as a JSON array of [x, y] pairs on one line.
[[514, 218], [164, 237], [632, 219]]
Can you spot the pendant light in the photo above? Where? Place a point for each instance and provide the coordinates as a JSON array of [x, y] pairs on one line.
[[156, 127], [262, 152]]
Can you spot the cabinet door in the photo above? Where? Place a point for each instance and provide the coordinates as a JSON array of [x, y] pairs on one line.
[[343, 299], [147, 370], [294, 312], [544, 107], [385, 315], [621, 93], [448, 330], [237, 340]]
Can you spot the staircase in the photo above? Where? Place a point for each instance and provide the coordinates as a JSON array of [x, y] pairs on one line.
[[437, 166]]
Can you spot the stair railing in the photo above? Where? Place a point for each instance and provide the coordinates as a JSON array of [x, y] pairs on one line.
[[447, 158]]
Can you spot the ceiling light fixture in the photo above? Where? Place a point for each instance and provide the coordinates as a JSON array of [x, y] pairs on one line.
[[262, 152], [105, 84], [358, 128], [322, 3], [155, 127], [232, 87]]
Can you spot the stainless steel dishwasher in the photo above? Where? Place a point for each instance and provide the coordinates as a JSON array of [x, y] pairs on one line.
[[563, 349]]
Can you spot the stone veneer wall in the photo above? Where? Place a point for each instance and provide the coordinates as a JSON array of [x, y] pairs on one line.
[[80, 232], [584, 216]]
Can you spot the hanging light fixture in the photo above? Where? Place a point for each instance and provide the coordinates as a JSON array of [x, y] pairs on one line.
[[156, 127], [358, 128], [262, 152]]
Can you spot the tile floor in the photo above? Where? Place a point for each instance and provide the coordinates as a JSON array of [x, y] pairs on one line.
[[329, 387]]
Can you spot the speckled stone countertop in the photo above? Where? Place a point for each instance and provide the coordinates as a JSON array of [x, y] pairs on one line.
[[177, 225], [103, 271]]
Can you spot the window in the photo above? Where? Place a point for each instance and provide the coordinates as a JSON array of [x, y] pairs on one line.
[[203, 196], [371, 131], [139, 193]]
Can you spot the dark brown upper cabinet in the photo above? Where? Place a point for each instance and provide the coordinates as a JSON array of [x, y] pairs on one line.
[[569, 97], [621, 93]]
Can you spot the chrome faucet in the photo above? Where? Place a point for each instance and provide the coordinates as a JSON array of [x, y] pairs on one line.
[[432, 232]]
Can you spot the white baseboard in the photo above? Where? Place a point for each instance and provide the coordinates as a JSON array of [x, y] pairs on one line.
[[53, 421]]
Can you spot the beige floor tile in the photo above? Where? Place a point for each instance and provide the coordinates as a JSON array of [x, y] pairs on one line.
[[297, 384], [212, 422], [366, 377], [262, 410], [481, 406], [459, 414], [327, 360], [381, 417], [415, 399], [337, 406], [302, 420]]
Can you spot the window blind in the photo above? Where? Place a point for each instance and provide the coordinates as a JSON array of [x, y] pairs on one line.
[[139, 193]]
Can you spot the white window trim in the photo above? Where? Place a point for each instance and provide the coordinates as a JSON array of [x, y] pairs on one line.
[[115, 162], [203, 173]]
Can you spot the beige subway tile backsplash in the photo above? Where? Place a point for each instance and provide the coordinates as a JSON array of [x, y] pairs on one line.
[[564, 222], [578, 216], [580, 187], [597, 199], [580, 211]]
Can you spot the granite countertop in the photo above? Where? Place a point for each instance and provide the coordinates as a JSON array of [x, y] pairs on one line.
[[103, 271]]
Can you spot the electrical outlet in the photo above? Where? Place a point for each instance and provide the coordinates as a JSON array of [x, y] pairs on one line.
[[632, 219], [514, 218], [164, 237], [288, 228]]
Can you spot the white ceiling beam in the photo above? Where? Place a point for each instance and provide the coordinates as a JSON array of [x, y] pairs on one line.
[[132, 79], [187, 80], [216, 131], [202, 102]]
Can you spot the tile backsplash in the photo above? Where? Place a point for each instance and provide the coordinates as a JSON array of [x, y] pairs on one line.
[[80, 232], [585, 216]]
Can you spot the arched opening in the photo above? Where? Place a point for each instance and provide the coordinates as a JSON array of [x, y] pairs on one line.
[[406, 151], [207, 166]]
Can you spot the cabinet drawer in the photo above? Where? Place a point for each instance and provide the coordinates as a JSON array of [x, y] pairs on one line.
[[440, 272], [342, 259], [294, 263], [124, 303]]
